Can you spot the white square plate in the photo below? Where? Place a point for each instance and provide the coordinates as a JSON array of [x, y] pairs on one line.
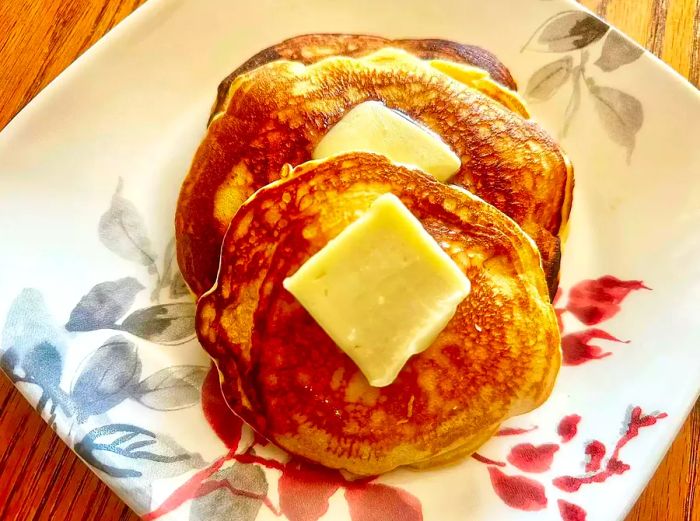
[[89, 175]]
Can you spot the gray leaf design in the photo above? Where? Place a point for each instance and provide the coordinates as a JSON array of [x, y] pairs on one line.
[[617, 51], [33, 344], [167, 458], [235, 493], [9, 362], [28, 324], [172, 388], [163, 323], [104, 304], [169, 269], [122, 230], [546, 80], [172, 278], [128, 451], [574, 101], [622, 115], [44, 364], [567, 31], [169, 264], [106, 377], [178, 287]]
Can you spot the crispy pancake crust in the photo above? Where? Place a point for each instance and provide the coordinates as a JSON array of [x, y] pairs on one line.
[[277, 113], [310, 48], [497, 357]]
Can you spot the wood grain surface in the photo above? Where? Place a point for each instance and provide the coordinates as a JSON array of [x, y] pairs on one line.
[[40, 478]]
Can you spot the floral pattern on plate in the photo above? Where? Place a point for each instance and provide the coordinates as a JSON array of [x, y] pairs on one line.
[[132, 455], [571, 33], [98, 325]]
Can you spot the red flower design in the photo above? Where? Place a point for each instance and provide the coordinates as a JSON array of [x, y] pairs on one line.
[[222, 420], [514, 431], [518, 491], [187, 490], [376, 502], [487, 461], [533, 458], [571, 512], [305, 489], [568, 427], [595, 451], [614, 465], [593, 301], [577, 350]]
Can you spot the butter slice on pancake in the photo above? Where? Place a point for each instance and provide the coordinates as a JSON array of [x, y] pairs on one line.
[[277, 113], [371, 127], [383, 289], [281, 372]]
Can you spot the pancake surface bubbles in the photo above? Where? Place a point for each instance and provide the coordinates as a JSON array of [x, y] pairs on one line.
[[277, 113], [497, 357]]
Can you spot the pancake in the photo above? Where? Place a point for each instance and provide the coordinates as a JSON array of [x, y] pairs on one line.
[[497, 357], [310, 48], [278, 112]]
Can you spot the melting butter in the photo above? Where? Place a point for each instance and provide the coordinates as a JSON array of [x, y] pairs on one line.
[[383, 289], [372, 127]]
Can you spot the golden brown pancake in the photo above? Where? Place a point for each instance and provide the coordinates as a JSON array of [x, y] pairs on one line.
[[309, 48], [278, 112], [497, 357]]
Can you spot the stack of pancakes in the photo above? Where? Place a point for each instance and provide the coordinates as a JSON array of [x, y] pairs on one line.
[[254, 208]]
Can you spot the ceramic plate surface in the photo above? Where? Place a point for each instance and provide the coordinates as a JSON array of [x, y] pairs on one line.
[[97, 328]]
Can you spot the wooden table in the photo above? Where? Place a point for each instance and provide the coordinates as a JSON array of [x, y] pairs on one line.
[[40, 478]]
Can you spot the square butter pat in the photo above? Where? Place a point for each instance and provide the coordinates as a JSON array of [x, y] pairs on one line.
[[383, 289], [372, 127]]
